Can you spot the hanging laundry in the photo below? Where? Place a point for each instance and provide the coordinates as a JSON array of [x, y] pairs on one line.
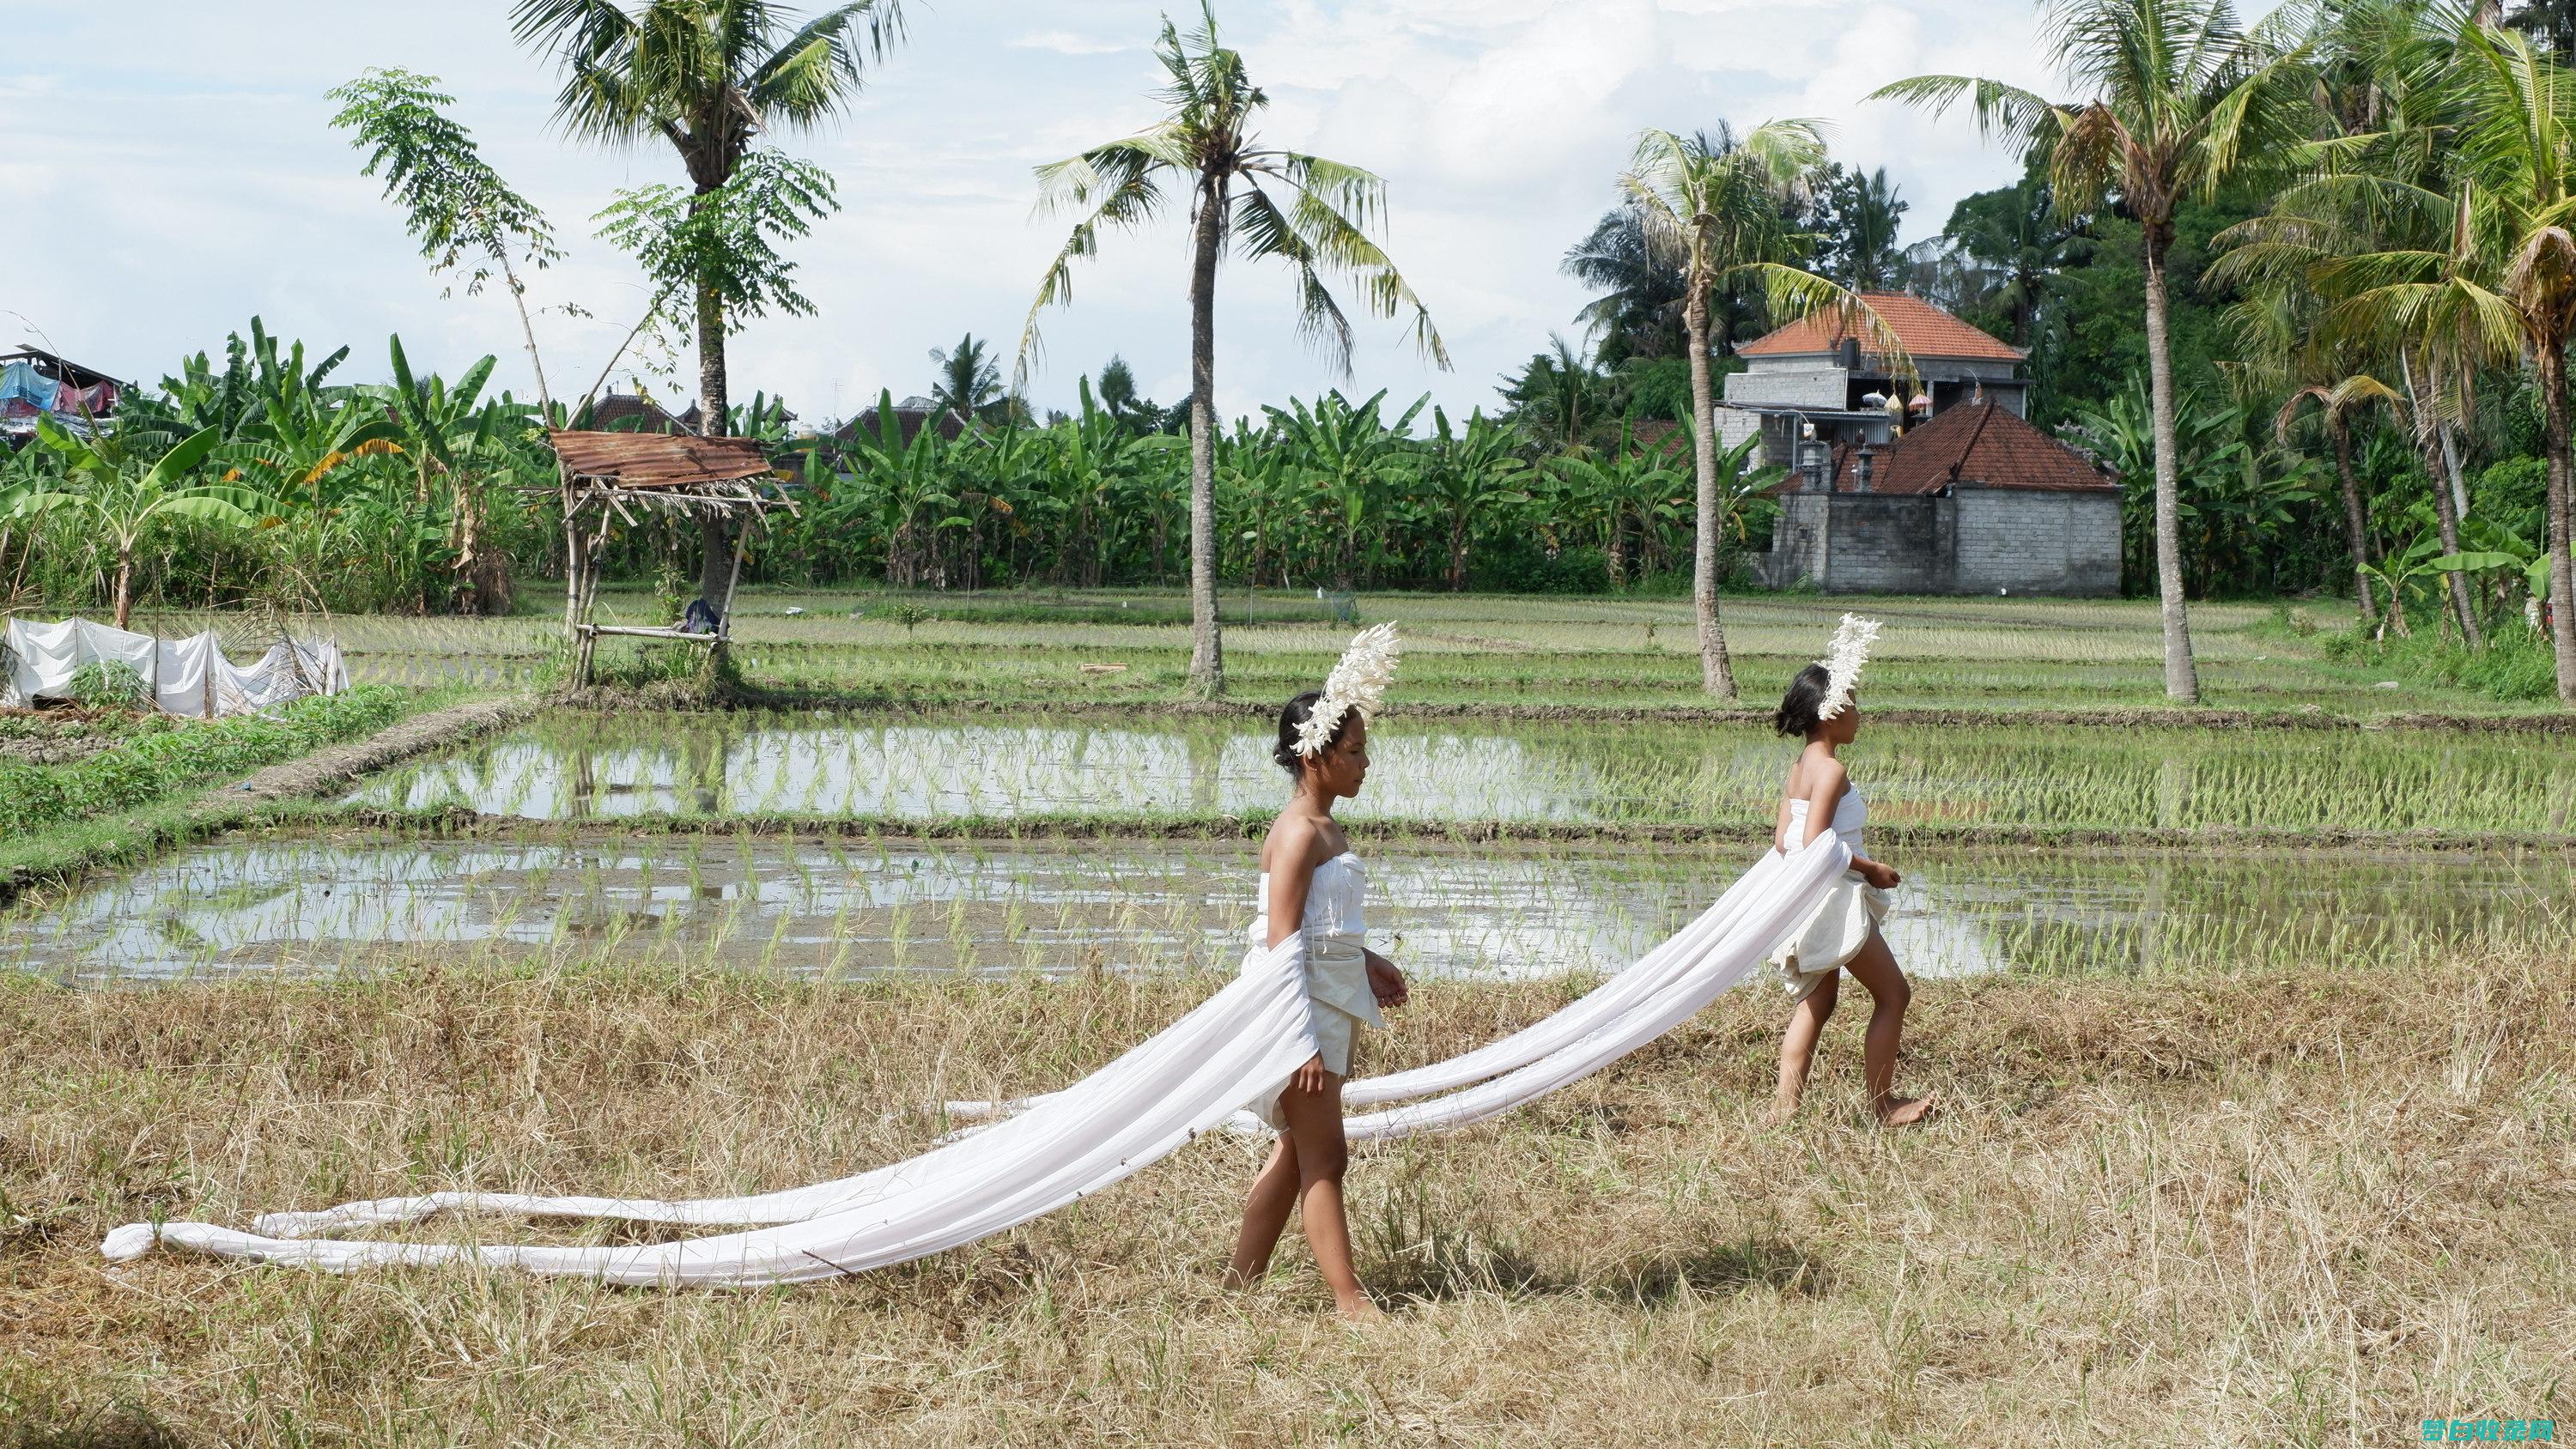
[[96, 400], [20, 382]]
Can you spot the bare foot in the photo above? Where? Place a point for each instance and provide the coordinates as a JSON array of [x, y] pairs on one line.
[[1237, 1279], [1781, 1110], [1904, 1111], [1360, 1310]]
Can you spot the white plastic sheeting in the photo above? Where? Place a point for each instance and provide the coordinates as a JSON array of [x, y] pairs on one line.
[[185, 676], [1237, 1047]]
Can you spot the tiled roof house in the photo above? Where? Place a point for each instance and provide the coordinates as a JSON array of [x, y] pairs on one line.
[[1919, 474]]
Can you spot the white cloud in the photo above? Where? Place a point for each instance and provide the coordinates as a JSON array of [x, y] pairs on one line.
[[165, 215]]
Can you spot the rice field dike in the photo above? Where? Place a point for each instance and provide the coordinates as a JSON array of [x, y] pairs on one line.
[[2251, 1026]]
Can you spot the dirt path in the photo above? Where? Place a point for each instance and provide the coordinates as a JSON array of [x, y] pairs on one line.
[[328, 769]]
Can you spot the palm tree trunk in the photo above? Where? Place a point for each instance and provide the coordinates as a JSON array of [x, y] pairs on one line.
[[1207, 648], [2182, 678], [2562, 579], [1717, 673], [1457, 554], [125, 585], [2446, 510], [2356, 529], [715, 554]]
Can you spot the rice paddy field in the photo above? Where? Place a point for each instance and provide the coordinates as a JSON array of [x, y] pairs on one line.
[[2251, 1026]]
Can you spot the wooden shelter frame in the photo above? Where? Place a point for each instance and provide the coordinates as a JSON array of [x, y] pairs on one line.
[[612, 477]]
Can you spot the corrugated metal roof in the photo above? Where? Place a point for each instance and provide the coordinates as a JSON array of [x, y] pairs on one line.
[[1926, 330], [660, 460]]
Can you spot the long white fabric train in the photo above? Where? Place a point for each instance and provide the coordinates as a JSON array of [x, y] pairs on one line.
[[1238, 1046]]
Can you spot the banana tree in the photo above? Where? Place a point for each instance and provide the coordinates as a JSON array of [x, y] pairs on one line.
[[126, 500], [1623, 494], [1352, 456], [908, 486], [1465, 475]]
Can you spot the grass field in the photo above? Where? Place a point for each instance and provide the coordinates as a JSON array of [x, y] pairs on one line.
[[2259, 1082], [1487, 650], [2303, 1208]]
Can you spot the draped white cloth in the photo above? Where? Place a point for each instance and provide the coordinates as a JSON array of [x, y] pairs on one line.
[[1239, 1046], [185, 676]]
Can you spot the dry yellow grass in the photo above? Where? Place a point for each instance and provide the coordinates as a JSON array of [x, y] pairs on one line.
[[2197, 1209]]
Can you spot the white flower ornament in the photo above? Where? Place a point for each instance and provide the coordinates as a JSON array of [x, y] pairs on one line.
[[1843, 661], [1357, 683]]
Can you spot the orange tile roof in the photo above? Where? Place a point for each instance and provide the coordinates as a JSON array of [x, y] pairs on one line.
[[1926, 331]]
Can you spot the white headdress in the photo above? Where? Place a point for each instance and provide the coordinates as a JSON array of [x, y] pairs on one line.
[[1357, 683], [1842, 661]]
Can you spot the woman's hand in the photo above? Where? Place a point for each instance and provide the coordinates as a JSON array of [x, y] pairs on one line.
[[1386, 983], [1310, 1077], [1878, 875]]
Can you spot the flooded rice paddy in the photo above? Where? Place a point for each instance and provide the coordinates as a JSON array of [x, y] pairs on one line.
[[849, 908], [592, 767]]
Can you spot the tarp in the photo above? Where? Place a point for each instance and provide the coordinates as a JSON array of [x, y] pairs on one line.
[[1239, 1046], [184, 676]]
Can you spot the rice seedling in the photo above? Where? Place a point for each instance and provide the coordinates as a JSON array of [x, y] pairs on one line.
[[766, 764]]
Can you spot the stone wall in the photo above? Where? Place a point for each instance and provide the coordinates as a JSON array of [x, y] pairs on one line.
[[1975, 542]]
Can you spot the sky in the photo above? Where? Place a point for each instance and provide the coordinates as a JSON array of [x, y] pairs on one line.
[[174, 174]]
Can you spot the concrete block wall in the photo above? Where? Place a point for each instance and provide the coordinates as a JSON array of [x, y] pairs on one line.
[[1974, 542], [1816, 386], [1889, 544], [2037, 542]]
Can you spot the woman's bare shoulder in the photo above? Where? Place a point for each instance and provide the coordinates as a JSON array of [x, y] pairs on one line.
[[1296, 841]]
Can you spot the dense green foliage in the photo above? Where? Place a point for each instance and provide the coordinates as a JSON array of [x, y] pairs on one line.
[[160, 755]]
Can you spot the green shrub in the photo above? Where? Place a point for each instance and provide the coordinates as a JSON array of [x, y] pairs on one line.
[[159, 761], [110, 684], [2515, 666]]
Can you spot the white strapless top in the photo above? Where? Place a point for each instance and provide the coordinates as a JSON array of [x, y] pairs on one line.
[[1850, 814], [1336, 929]]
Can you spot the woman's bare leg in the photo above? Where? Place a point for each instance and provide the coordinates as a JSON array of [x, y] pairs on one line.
[[1265, 1215], [1798, 1044], [1875, 968], [1315, 1136]]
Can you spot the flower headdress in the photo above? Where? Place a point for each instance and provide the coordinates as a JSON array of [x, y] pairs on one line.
[[1357, 683], [1843, 660]]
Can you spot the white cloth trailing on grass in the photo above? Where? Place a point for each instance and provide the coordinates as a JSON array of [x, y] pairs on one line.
[[185, 676], [1239, 1046], [1746, 909]]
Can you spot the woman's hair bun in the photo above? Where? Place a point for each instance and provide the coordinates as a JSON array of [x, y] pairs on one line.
[[1802, 708], [1292, 719]]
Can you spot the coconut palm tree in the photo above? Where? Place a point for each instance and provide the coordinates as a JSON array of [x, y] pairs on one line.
[[1718, 212], [2336, 400], [2504, 288], [709, 77], [970, 382], [2183, 101], [1312, 214]]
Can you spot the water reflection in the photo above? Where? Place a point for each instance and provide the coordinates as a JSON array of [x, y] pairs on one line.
[[806, 908], [939, 771]]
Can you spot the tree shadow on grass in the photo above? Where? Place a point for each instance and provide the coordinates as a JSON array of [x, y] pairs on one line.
[[1413, 1254]]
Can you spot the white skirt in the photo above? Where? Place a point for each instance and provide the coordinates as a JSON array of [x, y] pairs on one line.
[[1834, 934], [1335, 1031]]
